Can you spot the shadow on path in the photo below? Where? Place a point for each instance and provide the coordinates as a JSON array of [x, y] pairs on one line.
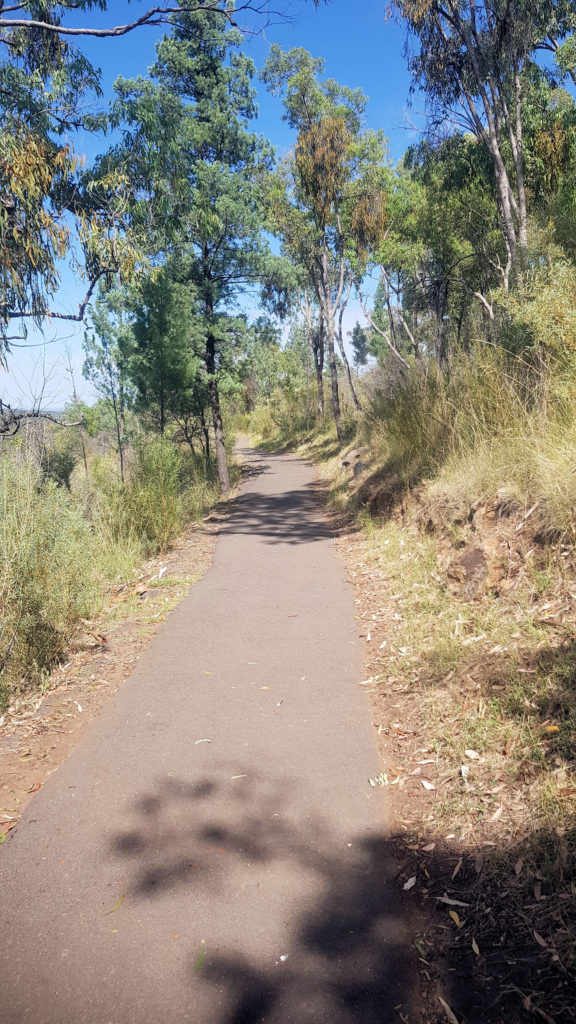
[[292, 517], [347, 959]]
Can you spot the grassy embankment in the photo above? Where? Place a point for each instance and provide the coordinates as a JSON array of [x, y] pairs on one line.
[[465, 496], [67, 539]]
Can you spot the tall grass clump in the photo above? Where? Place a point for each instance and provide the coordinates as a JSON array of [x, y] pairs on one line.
[[156, 494], [62, 545], [492, 421], [48, 574]]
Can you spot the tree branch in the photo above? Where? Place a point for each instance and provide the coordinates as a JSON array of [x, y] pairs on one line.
[[51, 314], [383, 334], [154, 16], [11, 421]]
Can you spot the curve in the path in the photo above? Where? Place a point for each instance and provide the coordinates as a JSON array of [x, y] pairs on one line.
[[212, 852]]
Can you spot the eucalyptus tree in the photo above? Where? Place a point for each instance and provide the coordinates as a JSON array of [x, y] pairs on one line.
[[472, 59], [197, 168], [53, 211], [108, 342], [44, 81], [323, 189]]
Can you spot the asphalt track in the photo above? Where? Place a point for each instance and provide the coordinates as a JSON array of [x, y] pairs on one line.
[[212, 852]]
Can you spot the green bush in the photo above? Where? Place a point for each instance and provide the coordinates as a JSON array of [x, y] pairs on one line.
[[48, 570], [60, 549]]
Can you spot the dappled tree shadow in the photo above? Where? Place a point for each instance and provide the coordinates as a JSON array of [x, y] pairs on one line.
[[347, 957], [293, 517], [350, 957]]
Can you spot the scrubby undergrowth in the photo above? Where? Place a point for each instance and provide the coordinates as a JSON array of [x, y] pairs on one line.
[[62, 547]]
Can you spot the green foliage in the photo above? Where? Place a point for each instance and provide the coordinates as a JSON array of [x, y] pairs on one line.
[[48, 578], [360, 345], [540, 311], [162, 363], [65, 537], [156, 496]]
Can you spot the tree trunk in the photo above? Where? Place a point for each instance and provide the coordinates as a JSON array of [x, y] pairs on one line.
[[336, 411], [162, 412], [317, 345], [206, 439], [122, 432], [221, 461], [519, 163], [355, 399], [118, 435]]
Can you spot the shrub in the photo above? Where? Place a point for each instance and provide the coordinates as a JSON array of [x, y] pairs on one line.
[[48, 570]]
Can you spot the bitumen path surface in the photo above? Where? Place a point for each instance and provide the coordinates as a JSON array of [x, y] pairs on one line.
[[212, 851]]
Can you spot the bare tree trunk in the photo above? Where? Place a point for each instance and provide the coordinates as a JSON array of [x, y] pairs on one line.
[[336, 410], [327, 314], [117, 422], [122, 432], [318, 351], [519, 163], [315, 340], [396, 289], [221, 461], [162, 412], [206, 438], [340, 338]]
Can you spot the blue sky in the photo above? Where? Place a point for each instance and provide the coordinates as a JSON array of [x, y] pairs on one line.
[[360, 48]]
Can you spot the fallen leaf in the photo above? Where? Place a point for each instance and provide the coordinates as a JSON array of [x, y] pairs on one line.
[[552, 728], [472, 754], [519, 865], [455, 918], [475, 948], [541, 942], [457, 868], [451, 902], [478, 863], [199, 961], [410, 883], [453, 1019], [427, 785], [34, 788], [429, 848], [497, 813], [117, 905]]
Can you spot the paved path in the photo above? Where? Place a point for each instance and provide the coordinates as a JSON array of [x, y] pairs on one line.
[[212, 852]]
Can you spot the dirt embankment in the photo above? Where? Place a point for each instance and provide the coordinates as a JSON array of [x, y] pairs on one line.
[[469, 616]]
